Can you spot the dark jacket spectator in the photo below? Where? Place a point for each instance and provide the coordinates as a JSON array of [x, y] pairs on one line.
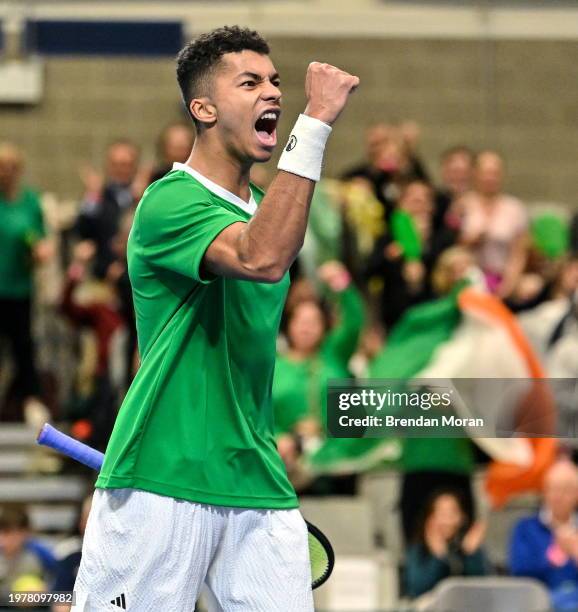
[[107, 199], [444, 545], [403, 258], [392, 159]]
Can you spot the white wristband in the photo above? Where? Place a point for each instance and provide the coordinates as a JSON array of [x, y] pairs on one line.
[[303, 153]]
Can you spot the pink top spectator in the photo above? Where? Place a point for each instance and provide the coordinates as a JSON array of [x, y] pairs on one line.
[[493, 229]]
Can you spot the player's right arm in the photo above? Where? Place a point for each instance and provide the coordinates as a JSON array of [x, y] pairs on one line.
[[264, 248]]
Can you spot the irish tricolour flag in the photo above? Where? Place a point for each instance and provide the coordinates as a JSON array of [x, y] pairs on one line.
[[468, 334]]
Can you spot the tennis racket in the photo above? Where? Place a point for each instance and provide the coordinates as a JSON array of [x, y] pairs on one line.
[[321, 552]]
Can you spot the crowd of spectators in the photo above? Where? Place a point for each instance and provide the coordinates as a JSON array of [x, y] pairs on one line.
[[27, 564], [384, 238]]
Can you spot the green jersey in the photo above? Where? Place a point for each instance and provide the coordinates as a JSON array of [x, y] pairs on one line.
[[197, 422], [300, 387], [21, 225]]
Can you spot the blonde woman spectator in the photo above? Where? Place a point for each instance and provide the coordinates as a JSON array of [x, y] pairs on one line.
[[446, 544], [495, 225]]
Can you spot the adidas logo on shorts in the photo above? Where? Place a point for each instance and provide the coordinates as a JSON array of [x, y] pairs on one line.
[[119, 601]]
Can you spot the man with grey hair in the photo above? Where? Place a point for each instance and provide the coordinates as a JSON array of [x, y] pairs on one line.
[[545, 546]]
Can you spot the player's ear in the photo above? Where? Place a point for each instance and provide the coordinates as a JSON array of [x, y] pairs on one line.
[[203, 110]]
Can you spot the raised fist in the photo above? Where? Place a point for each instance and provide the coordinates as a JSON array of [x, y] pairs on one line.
[[327, 89]]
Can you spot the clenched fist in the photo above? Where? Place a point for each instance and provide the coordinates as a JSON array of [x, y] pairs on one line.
[[327, 89]]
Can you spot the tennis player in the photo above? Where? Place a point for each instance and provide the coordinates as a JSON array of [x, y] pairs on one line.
[[192, 491]]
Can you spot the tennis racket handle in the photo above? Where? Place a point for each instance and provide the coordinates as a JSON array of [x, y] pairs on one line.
[[49, 436]]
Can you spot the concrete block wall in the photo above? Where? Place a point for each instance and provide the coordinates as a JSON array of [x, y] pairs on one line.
[[519, 96]]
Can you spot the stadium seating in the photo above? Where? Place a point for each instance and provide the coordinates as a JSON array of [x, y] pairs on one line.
[[488, 594]]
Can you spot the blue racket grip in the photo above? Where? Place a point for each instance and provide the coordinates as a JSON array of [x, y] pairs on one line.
[[50, 436]]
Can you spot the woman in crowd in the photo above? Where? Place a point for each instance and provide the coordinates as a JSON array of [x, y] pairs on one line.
[[495, 225], [444, 545], [404, 257], [316, 352]]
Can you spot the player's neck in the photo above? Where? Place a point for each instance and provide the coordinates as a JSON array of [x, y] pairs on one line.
[[218, 166]]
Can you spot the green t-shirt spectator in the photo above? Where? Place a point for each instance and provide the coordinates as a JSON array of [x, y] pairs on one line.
[[21, 225], [300, 387]]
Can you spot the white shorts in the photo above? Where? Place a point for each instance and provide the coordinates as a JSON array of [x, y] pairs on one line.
[[143, 551]]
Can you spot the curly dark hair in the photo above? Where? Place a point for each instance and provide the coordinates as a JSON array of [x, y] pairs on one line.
[[198, 59]]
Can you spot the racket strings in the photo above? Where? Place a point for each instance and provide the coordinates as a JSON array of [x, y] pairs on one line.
[[321, 559]]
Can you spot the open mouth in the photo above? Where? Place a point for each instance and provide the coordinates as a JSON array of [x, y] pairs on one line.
[[266, 128]]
